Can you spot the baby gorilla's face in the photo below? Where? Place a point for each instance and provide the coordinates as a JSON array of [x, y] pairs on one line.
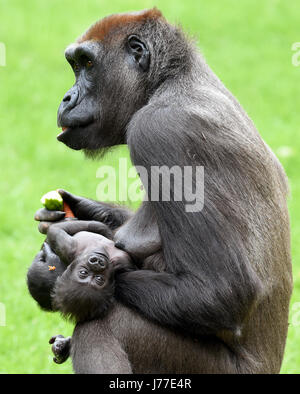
[[92, 270], [85, 290]]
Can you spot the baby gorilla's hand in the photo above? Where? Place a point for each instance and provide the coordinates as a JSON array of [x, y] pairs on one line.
[[61, 347]]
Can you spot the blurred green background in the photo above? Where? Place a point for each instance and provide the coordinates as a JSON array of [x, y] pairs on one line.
[[247, 43]]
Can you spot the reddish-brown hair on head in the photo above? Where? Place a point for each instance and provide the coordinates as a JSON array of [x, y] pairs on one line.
[[103, 27]]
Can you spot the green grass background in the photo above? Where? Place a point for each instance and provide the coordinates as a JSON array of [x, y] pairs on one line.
[[247, 43]]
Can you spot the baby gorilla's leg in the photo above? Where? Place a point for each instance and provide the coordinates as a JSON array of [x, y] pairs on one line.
[[61, 348]]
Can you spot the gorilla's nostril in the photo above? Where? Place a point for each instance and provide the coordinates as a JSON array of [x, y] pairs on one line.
[[67, 98], [70, 98], [93, 260], [97, 263], [120, 245]]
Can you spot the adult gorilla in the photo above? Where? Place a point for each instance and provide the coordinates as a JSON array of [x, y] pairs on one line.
[[224, 273]]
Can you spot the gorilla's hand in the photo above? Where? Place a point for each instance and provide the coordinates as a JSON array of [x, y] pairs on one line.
[[46, 218], [61, 347], [84, 209]]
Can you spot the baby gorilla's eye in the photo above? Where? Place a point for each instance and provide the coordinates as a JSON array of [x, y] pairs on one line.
[[99, 280], [83, 273]]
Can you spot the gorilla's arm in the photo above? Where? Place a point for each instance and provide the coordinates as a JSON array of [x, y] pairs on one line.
[[42, 275], [184, 302], [85, 209], [209, 285]]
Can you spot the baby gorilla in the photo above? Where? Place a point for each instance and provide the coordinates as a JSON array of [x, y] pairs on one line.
[[84, 291]]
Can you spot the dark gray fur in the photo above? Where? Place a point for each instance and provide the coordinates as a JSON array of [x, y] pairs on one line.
[[224, 273]]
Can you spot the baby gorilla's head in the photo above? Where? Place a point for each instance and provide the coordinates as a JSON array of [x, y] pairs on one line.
[[85, 290]]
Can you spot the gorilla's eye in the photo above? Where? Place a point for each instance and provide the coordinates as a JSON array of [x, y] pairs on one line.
[[83, 273], [85, 61], [99, 279], [89, 64]]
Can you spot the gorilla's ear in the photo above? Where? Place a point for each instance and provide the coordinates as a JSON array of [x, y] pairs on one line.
[[139, 51]]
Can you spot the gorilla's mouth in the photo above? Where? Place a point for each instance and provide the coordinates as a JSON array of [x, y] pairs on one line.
[[75, 137], [63, 129], [68, 129]]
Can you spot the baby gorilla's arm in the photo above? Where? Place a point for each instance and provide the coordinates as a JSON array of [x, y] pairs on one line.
[[64, 240]]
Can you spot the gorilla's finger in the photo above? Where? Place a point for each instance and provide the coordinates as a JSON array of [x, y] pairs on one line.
[[73, 227], [48, 250], [58, 360], [44, 226], [49, 255], [53, 339], [69, 198], [44, 215]]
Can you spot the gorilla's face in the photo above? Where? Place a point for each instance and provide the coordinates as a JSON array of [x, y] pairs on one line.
[[91, 271], [108, 90]]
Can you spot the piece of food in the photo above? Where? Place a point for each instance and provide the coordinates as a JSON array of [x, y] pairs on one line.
[[51, 267], [68, 210], [52, 201]]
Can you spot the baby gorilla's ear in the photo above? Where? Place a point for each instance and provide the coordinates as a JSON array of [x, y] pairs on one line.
[[80, 300]]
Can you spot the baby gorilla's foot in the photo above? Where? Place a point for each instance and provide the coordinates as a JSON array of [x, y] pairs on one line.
[[61, 347]]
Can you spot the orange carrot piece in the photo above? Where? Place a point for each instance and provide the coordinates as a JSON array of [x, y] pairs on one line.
[[67, 209]]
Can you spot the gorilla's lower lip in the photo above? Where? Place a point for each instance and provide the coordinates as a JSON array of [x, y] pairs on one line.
[[64, 130], [74, 136]]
